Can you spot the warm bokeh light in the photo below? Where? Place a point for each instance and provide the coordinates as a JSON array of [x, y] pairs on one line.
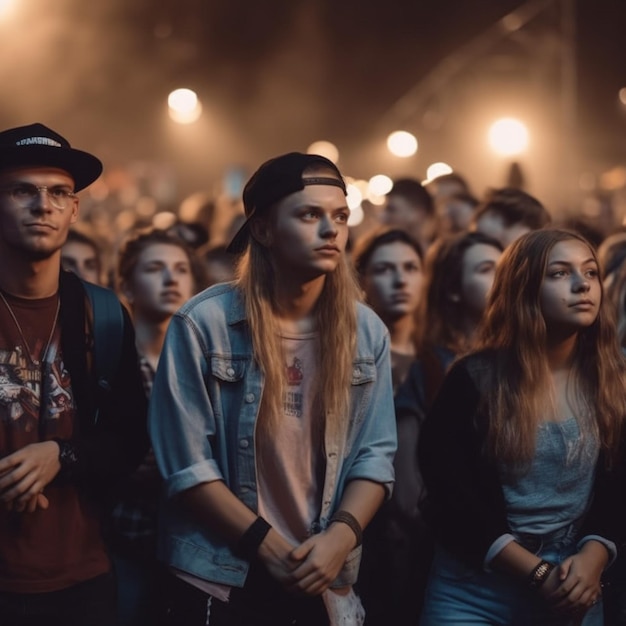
[[98, 191], [437, 169], [164, 220], [376, 200], [402, 144], [325, 149], [362, 185], [6, 6], [587, 181], [613, 179], [146, 207], [354, 197], [508, 136], [356, 216], [622, 95], [125, 220], [184, 106], [379, 185]]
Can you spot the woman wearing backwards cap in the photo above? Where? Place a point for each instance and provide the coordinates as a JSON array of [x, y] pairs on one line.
[[272, 417]]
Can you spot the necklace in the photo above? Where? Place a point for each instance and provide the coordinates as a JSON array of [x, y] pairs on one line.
[[33, 360]]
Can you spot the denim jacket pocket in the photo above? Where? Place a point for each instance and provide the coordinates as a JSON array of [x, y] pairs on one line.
[[226, 368], [363, 371]]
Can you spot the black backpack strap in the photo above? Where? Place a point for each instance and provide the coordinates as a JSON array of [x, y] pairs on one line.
[[108, 331]]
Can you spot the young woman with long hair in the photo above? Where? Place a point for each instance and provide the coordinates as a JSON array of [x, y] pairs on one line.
[[272, 417], [522, 450], [459, 272]]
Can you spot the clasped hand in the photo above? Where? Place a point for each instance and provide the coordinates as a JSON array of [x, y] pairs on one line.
[[311, 567], [25, 473], [574, 586]]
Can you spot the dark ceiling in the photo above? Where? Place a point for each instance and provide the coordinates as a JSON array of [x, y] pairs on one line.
[[277, 75]]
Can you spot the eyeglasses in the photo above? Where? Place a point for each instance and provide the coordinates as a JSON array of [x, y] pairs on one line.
[[25, 195]]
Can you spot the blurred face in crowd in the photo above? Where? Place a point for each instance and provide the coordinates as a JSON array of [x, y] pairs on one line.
[[393, 280], [400, 213], [492, 224], [442, 186], [479, 266], [454, 215], [82, 259], [161, 282]]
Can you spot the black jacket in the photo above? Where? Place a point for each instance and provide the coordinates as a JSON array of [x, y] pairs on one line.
[[465, 503], [111, 446]]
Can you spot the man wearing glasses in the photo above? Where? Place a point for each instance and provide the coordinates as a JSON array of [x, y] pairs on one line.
[[64, 442]]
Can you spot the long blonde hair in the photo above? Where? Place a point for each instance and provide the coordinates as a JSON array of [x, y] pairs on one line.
[[336, 324], [515, 328]]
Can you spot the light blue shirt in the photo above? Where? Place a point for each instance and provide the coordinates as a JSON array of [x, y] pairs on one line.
[[555, 492], [203, 411]]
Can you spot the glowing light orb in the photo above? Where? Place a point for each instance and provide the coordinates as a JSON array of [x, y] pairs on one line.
[[6, 6], [325, 149], [164, 220], [437, 169], [354, 197], [508, 136], [402, 144], [379, 185], [184, 106], [356, 216]]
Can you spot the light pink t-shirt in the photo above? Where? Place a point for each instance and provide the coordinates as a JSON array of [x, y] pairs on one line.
[[291, 464]]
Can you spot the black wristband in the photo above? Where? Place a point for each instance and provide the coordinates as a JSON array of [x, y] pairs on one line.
[[540, 574], [249, 543], [68, 457], [347, 518]]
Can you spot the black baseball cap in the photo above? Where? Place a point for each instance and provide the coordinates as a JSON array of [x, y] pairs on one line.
[[38, 146], [276, 179]]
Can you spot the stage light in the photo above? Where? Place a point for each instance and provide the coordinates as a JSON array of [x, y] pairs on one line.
[[402, 144]]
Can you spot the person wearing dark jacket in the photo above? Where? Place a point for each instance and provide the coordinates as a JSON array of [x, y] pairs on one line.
[[522, 451], [66, 438]]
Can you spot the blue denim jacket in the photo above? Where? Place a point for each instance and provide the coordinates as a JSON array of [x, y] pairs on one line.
[[203, 411]]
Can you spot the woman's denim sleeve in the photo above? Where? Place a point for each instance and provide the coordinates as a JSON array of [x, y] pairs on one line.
[[373, 423], [181, 418]]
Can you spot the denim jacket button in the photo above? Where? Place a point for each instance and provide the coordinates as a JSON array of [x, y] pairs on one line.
[[243, 443], [249, 398], [230, 371]]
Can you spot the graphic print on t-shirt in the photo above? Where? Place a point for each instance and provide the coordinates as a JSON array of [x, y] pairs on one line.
[[19, 398], [21, 391], [293, 395]]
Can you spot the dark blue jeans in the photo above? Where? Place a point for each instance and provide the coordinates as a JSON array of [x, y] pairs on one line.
[[261, 602], [91, 603]]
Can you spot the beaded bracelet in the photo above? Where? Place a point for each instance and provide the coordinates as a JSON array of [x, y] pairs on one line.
[[540, 574], [350, 520], [249, 543]]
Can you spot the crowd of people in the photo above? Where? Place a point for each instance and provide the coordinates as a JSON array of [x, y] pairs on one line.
[[420, 421]]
